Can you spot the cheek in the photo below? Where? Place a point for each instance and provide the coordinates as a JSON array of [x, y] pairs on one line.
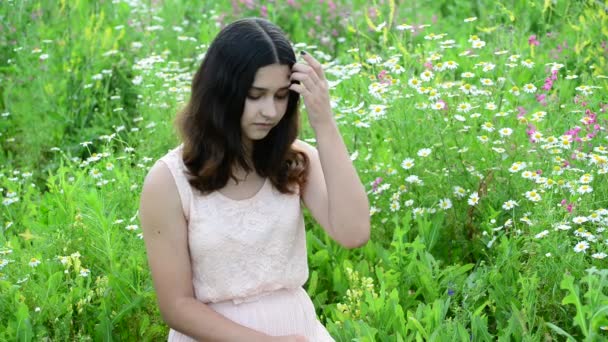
[[248, 109], [282, 107]]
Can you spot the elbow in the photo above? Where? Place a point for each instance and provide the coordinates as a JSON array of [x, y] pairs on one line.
[[168, 317], [169, 312], [357, 240]]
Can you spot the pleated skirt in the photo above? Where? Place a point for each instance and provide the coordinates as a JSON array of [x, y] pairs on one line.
[[283, 312]]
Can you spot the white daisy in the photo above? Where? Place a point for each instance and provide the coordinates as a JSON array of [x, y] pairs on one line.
[[414, 180], [510, 204], [581, 246], [533, 196], [425, 152], [427, 75], [600, 255], [473, 199], [584, 189], [459, 192], [529, 88], [407, 163], [505, 132], [451, 65], [445, 203]]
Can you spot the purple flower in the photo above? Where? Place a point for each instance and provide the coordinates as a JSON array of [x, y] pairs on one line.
[[569, 206], [372, 12], [332, 6], [522, 110], [377, 182], [541, 98], [533, 41]]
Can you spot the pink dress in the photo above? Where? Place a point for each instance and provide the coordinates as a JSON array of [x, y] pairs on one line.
[[249, 260]]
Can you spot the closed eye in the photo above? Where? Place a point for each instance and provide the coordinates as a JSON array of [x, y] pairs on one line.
[[278, 96]]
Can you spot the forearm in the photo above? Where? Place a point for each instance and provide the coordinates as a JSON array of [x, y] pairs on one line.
[[348, 202], [197, 320]]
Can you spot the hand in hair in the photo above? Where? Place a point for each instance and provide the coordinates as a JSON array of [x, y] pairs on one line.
[[314, 89]]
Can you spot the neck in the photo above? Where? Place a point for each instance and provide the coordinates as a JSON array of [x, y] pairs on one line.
[[248, 150]]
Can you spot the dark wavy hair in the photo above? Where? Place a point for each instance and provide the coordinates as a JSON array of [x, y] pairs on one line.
[[210, 123]]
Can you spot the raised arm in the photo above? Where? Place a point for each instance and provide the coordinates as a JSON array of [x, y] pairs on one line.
[[335, 195], [165, 235]]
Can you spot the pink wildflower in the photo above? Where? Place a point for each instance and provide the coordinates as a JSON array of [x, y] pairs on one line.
[[377, 182], [332, 6], [522, 111], [542, 99], [372, 12], [381, 77], [569, 206], [533, 41]]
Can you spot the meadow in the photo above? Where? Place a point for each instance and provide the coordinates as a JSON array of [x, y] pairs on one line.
[[478, 129]]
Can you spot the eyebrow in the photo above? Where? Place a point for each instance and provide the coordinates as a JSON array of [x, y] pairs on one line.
[[265, 89]]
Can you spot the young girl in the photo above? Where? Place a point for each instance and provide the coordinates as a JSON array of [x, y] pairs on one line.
[[221, 213]]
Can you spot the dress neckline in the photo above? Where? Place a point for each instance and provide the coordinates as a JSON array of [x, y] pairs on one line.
[[244, 199]]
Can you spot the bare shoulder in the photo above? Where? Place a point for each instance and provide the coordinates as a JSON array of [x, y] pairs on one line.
[[159, 191], [160, 207], [158, 175], [305, 147]]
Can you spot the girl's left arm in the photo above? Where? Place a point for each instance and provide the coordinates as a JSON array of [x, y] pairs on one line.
[[334, 193]]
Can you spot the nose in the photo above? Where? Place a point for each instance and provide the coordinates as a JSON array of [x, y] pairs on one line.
[[269, 109]]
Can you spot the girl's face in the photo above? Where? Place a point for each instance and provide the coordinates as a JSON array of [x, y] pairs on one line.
[[266, 102]]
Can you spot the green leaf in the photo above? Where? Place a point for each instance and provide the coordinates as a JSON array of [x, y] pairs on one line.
[[481, 307], [560, 331], [312, 283], [573, 297], [24, 328], [418, 327]]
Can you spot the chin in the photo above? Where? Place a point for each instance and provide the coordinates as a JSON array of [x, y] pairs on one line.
[[257, 137]]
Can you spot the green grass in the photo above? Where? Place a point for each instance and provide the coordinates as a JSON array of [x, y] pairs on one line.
[[89, 91]]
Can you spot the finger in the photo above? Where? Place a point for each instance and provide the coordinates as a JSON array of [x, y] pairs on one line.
[[316, 66], [300, 89], [306, 69], [304, 79]]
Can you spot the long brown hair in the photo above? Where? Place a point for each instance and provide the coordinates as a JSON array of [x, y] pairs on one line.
[[209, 124]]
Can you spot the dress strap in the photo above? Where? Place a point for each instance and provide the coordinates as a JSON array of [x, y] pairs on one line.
[[174, 162]]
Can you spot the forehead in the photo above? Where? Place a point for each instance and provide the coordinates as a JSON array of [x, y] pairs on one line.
[[272, 76]]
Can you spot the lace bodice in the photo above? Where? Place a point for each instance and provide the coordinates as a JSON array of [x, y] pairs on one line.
[[241, 249]]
